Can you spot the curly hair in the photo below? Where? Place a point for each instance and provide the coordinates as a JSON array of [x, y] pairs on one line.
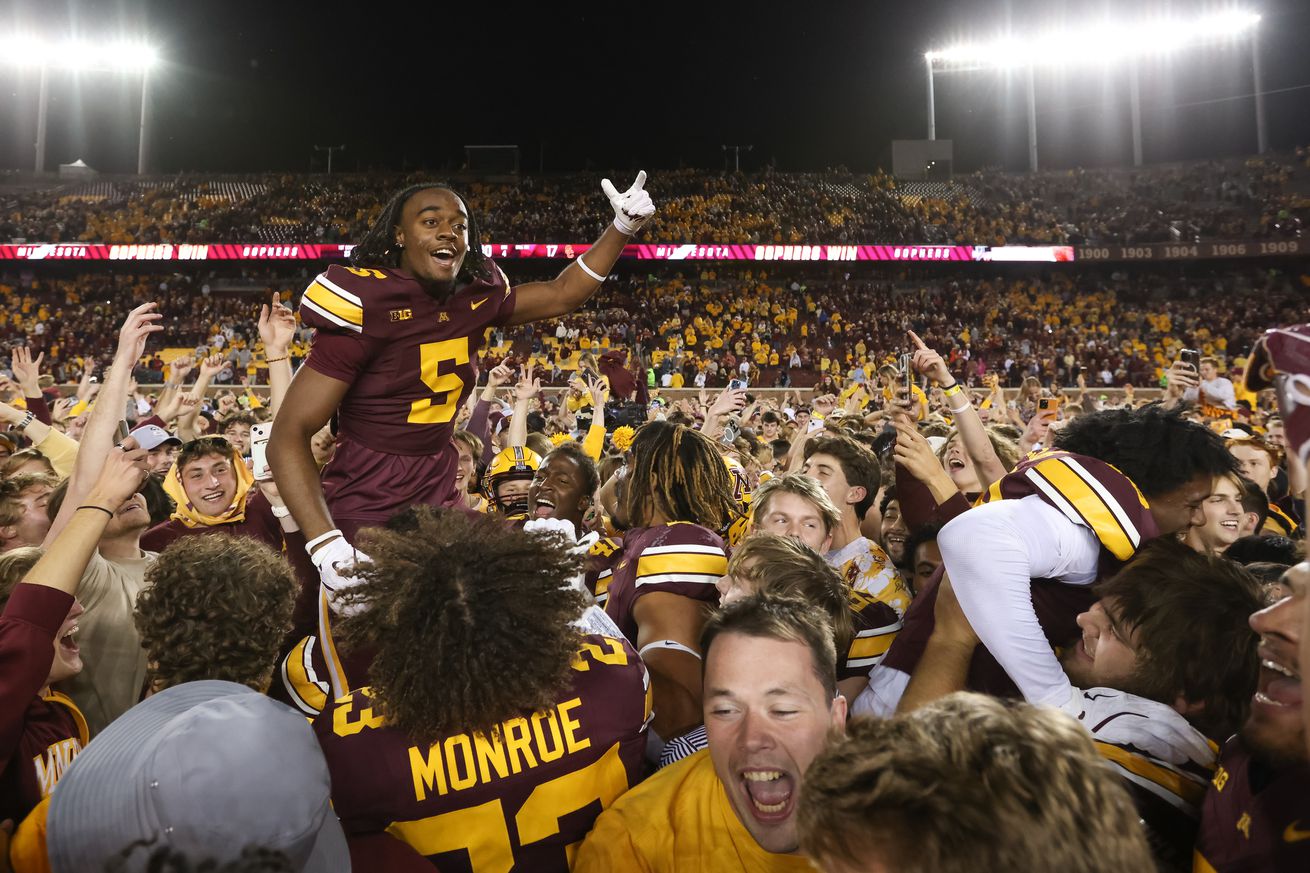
[[215, 606], [678, 472], [969, 783], [470, 620], [1157, 448], [378, 247]]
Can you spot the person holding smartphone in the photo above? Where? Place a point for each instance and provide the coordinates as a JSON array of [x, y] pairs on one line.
[[1214, 391]]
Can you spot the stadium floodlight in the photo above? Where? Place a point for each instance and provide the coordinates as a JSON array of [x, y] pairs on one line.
[[1104, 44], [121, 56]]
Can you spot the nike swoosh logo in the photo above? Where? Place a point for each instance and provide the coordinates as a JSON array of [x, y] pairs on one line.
[[1292, 835], [479, 303]]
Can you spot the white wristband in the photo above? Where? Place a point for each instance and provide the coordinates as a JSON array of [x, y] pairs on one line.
[[280, 511], [963, 408], [588, 270], [320, 540]]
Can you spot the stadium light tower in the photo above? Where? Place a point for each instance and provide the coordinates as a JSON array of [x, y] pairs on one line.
[[82, 56], [1101, 45]]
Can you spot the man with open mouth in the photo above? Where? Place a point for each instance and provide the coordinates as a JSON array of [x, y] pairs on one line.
[[771, 702], [1256, 813]]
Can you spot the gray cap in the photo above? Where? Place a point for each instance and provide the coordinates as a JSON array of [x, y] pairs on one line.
[[206, 768], [152, 436]]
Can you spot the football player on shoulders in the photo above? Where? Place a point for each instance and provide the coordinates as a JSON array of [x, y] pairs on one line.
[[397, 335]]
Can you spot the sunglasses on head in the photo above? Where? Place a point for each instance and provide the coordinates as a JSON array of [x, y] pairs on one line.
[[215, 443]]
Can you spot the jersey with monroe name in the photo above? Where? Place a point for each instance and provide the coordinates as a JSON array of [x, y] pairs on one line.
[[519, 798]]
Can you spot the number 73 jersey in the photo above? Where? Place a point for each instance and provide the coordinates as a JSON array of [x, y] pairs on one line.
[[519, 797], [408, 357]]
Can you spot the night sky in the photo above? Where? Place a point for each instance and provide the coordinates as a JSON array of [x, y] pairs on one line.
[[253, 86]]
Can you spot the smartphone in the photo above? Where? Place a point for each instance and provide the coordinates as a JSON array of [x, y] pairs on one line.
[[1046, 404], [736, 385], [1192, 358], [123, 431], [908, 372], [259, 451]]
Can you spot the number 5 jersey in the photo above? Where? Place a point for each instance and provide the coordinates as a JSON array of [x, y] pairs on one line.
[[410, 361]]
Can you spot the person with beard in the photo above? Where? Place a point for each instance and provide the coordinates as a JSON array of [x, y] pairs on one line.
[[397, 334], [1256, 812], [894, 533], [1133, 679]]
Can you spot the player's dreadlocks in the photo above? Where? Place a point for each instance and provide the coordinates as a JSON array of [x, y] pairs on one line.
[[677, 472], [378, 247], [471, 621]]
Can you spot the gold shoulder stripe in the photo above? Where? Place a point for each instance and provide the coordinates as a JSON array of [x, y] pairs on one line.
[[325, 298], [1180, 786], [297, 676], [870, 647], [1089, 505], [682, 562]]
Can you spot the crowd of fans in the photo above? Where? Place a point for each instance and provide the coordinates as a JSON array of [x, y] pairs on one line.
[[768, 327], [1205, 201], [886, 623]]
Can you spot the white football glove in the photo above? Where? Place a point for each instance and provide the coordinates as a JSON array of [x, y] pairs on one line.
[[564, 528], [633, 207], [334, 560]]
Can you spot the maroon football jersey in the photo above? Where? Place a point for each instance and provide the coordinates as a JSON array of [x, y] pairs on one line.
[[1254, 817], [410, 361], [1088, 491], [521, 799], [602, 558], [678, 558]]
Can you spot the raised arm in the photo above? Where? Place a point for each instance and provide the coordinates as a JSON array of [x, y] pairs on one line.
[[986, 463], [527, 389], [582, 278], [66, 556], [100, 435], [277, 328]]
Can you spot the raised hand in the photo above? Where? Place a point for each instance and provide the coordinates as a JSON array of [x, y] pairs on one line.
[[277, 327], [137, 327], [528, 386], [599, 389], [180, 368], [928, 362], [124, 471], [824, 404], [212, 366], [27, 372], [632, 208], [500, 375], [729, 401]]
